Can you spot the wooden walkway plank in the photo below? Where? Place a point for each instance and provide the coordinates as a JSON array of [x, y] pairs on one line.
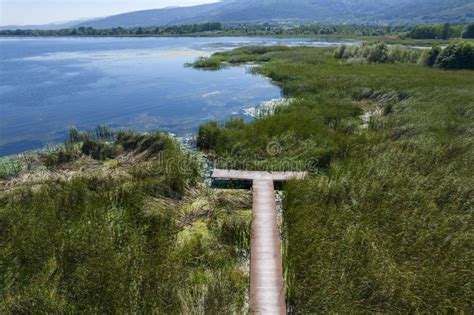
[[251, 175], [267, 288], [267, 293]]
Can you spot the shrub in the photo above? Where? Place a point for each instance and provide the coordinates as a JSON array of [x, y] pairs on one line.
[[378, 53], [456, 56], [429, 57], [339, 52]]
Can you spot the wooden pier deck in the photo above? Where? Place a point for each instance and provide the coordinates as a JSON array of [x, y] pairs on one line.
[[267, 289]]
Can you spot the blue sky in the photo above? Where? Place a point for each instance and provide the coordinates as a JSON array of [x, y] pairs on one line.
[[21, 12]]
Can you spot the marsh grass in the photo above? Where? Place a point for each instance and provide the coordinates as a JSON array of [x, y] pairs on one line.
[[10, 167], [385, 224], [111, 238]]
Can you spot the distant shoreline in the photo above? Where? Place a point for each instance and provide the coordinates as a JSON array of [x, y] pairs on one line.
[[387, 39]]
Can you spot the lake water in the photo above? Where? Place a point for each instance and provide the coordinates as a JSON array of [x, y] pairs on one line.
[[48, 85]]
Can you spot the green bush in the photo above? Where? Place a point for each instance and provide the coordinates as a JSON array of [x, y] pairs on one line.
[[430, 56], [377, 53], [339, 52], [456, 56]]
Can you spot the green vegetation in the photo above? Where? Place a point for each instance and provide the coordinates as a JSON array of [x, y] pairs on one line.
[[240, 55], [455, 56], [127, 232], [436, 31], [429, 57], [120, 31], [118, 222], [9, 167], [385, 223], [316, 29], [377, 53], [218, 29], [425, 34], [469, 32]]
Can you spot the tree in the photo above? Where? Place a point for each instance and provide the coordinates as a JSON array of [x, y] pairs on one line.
[[469, 32], [446, 31]]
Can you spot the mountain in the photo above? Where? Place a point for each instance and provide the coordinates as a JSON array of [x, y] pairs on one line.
[[324, 11], [52, 26]]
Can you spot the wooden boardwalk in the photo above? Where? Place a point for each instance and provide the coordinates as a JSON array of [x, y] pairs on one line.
[[250, 175], [267, 289]]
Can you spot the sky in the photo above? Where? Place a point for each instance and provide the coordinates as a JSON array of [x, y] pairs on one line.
[[27, 12]]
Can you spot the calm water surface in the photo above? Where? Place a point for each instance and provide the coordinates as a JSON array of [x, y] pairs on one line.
[[48, 85]]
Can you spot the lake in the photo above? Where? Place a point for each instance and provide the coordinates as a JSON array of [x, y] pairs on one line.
[[48, 85]]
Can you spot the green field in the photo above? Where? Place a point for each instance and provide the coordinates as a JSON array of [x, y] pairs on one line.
[[386, 222]]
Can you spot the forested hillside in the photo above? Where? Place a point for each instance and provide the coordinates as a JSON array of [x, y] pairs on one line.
[[326, 11]]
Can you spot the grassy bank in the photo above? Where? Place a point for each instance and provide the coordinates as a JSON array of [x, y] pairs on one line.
[[120, 226], [385, 223]]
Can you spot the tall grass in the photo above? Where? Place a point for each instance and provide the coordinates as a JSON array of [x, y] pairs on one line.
[[147, 239], [10, 167], [385, 224]]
